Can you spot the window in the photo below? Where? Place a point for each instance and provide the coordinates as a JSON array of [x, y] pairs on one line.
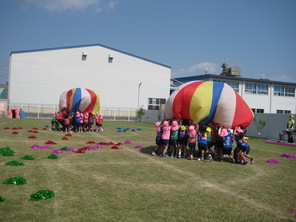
[[284, 91], [255, 88], [233, 84], [3, 93], [110, 59], [290, 91], [250, 88], [83, 57], [262, 89], [283, 111], [155, 103], [257, 110]]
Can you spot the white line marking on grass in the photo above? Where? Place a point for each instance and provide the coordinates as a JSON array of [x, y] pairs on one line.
[[203, 183], [257, 174], [197, 179]]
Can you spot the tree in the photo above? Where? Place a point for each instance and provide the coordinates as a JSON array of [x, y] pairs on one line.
[[259, 125], [140, 113]]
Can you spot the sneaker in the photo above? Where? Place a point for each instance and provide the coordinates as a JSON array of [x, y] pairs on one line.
[[165, 156], [179, 156], [153, 154], [198, 159], [209, 157], [244, 162], [172, 156], [252, 159]]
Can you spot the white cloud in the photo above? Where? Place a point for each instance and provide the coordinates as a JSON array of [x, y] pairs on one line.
[[197, 69], [112, 4], [281, 78], [62, 5], [98, 9]]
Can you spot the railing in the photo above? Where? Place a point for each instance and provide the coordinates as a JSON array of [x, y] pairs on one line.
[[45, 111]]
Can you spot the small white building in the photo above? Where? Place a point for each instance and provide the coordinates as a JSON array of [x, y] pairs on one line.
[[262, 95], [121, 79]]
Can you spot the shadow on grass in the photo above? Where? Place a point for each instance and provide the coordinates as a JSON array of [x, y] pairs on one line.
[[148, 150]]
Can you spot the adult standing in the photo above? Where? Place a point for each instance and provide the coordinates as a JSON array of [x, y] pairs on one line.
[[290, 128]]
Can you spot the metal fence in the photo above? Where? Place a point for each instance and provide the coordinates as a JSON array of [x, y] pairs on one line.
[[274, 123], [46, 111]]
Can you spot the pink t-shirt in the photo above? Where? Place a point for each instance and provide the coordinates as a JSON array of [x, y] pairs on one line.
[[192, 135], [85, 119], [81, 118], [166, 132]]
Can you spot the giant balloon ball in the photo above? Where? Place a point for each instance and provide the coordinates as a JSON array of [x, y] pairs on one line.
[[209, 101], [80, 99]]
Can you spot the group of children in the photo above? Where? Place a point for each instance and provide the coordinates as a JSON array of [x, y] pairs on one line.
[[179, 138], [77, 122]]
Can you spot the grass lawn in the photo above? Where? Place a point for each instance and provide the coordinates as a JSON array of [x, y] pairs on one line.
[[128, 184]]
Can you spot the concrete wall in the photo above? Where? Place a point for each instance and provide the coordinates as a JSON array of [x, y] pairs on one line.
[[274, 124], [40, 77], [152, 116]]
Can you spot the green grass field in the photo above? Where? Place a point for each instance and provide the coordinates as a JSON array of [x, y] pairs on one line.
[[128, 184]]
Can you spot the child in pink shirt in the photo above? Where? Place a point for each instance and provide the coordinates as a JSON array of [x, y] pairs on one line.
[[81, 122], [191, 141], [165, 137], [85, 122]]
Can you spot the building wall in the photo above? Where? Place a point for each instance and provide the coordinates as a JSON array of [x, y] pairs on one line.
[[40, 77], [286, 103], [270, 103]]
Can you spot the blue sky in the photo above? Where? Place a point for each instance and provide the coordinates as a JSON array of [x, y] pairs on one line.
[[259, 36]]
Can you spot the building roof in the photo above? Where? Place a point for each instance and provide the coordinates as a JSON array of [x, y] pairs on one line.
[[225, 77], [89, 45]]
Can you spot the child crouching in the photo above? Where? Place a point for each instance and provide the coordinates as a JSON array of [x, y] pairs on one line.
[[244, 148]]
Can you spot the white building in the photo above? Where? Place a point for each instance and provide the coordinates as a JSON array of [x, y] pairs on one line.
[[262, 95], [121, 79]]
